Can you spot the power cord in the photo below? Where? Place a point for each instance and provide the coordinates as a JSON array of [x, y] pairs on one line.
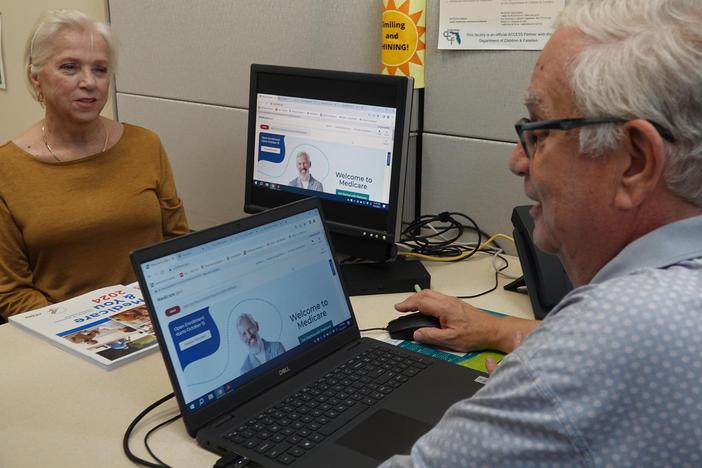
[[154, 429], [443, 245], [373, 329], [127, 434], [443, 241], [228, 460]]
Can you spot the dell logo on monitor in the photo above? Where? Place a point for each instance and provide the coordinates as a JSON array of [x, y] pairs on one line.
[[283, 371]]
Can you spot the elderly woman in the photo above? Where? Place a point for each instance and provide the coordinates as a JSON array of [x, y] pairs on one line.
[[78, 191]]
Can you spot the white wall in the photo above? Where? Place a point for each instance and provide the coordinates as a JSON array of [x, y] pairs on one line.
[[18, 111]]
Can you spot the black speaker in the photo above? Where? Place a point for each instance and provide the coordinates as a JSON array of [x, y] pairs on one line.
[[544, 277]]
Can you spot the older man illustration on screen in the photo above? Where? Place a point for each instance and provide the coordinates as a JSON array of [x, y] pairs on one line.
[[305, 179], [260, 350]]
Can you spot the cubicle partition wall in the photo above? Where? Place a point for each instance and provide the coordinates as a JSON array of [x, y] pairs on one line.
[[184, 73]]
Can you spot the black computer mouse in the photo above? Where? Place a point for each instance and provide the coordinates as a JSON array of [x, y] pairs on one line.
[[403, 328]]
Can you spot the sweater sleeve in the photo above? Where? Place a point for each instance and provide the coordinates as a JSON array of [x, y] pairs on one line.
[[172, 211], [17, 291]]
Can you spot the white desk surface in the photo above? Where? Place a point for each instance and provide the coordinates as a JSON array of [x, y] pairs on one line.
[[57, 409]]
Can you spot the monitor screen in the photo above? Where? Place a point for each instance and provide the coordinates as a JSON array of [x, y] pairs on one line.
[[339, 136]]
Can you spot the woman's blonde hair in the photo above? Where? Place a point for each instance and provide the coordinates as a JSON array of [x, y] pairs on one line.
[[50, 24]]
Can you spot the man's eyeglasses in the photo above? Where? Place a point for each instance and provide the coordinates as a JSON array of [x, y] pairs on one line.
[[529, 139]]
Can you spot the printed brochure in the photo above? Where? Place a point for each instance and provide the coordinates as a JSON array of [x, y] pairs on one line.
[[108, 326]]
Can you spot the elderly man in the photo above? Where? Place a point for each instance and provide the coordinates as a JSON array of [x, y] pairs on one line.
[[305, 179], [260, 350], [611, 154]]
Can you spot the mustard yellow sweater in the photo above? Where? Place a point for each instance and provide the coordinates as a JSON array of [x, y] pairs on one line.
[[67, 228]]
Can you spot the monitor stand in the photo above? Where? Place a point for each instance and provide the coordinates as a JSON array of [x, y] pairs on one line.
[[393, 276]]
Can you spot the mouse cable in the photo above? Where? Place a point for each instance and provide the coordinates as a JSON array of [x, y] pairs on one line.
[[498, 270], [125, 440]]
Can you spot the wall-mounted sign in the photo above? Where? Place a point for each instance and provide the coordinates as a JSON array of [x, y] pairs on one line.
[[403, 43], [497, 24]]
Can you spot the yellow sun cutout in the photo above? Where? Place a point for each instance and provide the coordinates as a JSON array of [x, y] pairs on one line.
[[402, 40]]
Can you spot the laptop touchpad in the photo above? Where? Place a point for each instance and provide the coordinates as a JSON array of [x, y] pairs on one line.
[[384, 434]]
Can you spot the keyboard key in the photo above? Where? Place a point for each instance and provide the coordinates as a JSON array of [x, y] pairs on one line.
[[297, 451], [286, 459], [276, 451], [252, 443], [264, 446], [306, 444]]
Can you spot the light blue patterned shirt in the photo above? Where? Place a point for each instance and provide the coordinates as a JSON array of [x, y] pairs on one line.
[[612, 377]]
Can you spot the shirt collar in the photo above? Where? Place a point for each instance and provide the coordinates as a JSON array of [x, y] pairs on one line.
[[660, 248]]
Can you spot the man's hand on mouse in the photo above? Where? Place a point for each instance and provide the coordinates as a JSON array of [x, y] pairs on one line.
[[463, 327]]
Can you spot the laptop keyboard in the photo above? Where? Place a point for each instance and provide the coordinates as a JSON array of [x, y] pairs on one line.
[[289, 429]]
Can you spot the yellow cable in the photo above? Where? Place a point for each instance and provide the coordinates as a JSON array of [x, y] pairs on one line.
[[490, 240]]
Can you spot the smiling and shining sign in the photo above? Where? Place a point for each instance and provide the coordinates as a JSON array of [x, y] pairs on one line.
[[402, 34]]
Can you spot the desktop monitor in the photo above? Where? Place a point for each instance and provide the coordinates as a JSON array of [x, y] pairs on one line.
[[340, 136]]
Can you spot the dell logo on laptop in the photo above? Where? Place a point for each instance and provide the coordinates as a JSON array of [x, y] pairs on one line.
[[284, 370]]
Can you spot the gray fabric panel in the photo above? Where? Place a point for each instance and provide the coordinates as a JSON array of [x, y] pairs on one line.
[[207, 149], [472, 177], [201, 51]]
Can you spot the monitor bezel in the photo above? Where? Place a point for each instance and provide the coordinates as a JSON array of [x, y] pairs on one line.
[[366, 223]]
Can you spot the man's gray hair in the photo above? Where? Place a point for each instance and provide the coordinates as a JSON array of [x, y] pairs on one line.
[[246, 316], [40, 45], [643, 59]]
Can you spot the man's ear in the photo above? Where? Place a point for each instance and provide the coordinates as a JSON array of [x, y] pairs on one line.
[[642, 169]]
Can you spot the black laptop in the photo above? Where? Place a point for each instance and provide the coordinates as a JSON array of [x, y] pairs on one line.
[[264, 352]]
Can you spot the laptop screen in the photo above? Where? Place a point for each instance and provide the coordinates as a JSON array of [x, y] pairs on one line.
[[235, 307]]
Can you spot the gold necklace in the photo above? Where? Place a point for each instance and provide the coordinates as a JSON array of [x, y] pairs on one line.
[[46, 143]]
